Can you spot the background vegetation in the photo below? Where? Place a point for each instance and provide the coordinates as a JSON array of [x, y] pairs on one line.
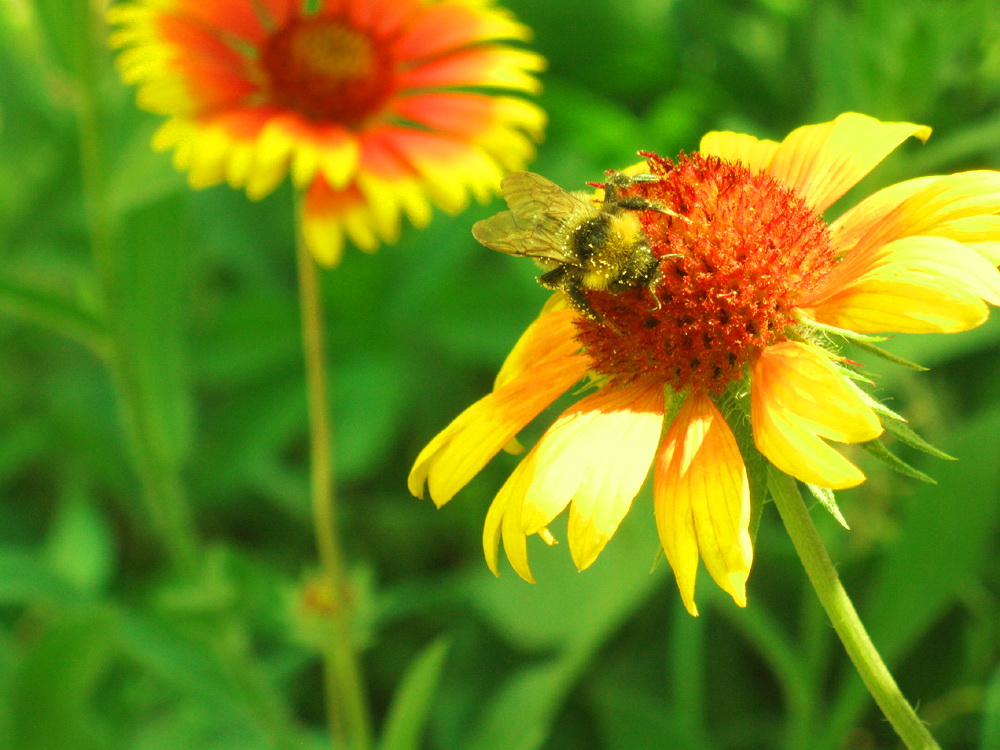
[[179, 405]]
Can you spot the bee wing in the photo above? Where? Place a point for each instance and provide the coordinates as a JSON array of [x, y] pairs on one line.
[[506, 233], [535, 224], [533, 198]]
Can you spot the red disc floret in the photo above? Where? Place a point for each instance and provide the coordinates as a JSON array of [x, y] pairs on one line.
[[736, 251], [327, 71]]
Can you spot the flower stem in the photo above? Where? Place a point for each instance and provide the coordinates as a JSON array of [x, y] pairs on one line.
[[844, 617], [347, 710]]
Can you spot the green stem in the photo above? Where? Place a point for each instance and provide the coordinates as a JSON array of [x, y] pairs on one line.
[[687, 671], [843, 616], [347, 709], [161, 486]]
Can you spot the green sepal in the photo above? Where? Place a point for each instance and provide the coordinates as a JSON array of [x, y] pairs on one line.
[[829, 501], [658, 557], [870, 348], [878, 450], [672, 403], [853, 374], [898, 428], [843, 332], [866, 343]]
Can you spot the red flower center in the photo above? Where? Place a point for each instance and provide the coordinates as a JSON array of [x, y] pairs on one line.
[[736, 251], [327, 71]]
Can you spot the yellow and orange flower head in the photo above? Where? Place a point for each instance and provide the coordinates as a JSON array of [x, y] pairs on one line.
[[734, 340], [378, 108]]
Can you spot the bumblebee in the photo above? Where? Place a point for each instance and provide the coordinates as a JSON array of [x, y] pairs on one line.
[[580, 245]]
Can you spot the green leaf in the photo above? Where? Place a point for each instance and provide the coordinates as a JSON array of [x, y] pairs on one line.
[[412, 703], [565, 607], [30, 301], [991, 713], [66, 24], [185, 664], [148, 308], [139, 176], [896, 426], [50, 695], [629, 716], [27, 578], [519, 716], [942, 542], [844, 333], [80, 544], [567, 610], [942, 545], [367, 393]]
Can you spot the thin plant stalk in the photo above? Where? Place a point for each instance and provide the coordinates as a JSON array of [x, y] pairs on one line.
[[346, 704], [844, 617], [161, 488]]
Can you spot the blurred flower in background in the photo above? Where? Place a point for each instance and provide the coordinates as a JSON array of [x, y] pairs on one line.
[[377, 107], [734, 337]]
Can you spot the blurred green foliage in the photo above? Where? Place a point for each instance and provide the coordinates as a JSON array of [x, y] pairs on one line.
[[150, 339]]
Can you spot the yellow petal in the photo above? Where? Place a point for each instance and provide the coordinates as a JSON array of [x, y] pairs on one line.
[[755, 153], [325, 239], [552, 333], [305, 163], [449, 167], [875, 216], [980, 234], [798, 396], [207, 166], [802, 379], [597, 454], [338, 159], [491, 529], [702, 501], [515, 541], [461, 450], [912, 285], [961, 207], [240, 164], [359, 225], [822, 162], [504, 518], [171, 133], [384, 204], [801, 454]]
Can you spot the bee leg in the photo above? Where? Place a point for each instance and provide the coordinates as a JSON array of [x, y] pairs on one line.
[[582, 304], [562, 279], [613, 200], [638, 203], [579, 300], [652, 293], [619, 180], [556, 279]]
